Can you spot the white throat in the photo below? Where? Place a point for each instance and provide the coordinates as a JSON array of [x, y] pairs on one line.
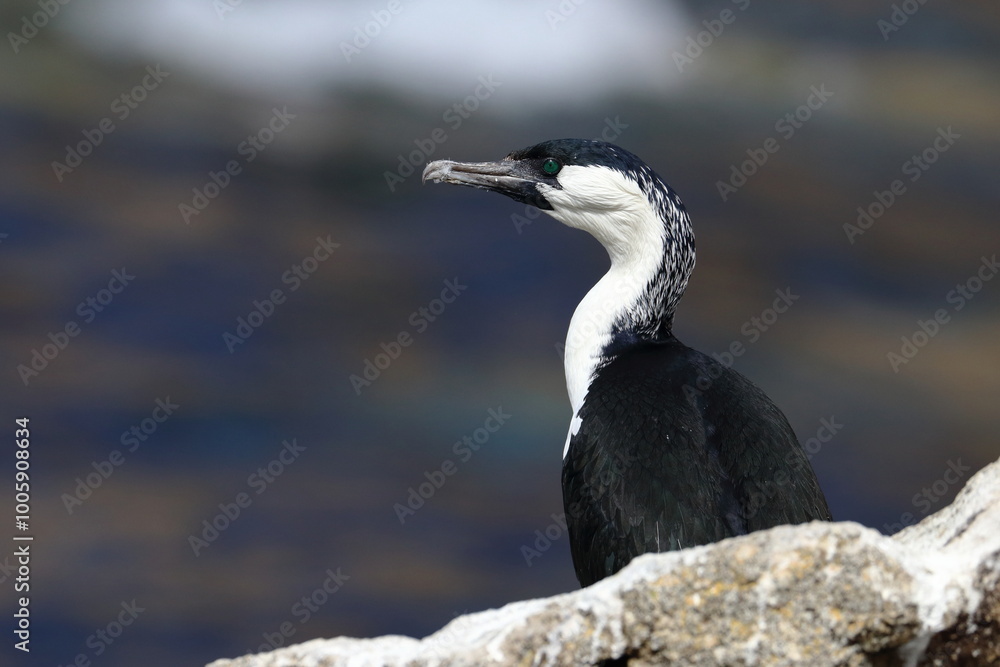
[[616, 297], [615, 210], [636, 293]]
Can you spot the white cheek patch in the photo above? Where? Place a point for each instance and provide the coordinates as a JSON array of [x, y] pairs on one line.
[[611, 207], [595, 190]]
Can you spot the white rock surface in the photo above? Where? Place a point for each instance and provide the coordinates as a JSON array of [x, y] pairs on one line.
[[816, 594]]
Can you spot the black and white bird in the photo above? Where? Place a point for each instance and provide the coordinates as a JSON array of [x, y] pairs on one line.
[[667, 448]]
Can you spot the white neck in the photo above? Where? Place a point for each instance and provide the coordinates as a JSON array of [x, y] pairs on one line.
[[648, 273], [614, 299]]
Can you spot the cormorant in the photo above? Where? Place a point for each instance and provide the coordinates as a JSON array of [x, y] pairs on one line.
[[667, 448]]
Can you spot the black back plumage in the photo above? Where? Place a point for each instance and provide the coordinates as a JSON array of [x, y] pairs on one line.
[[676, 450]]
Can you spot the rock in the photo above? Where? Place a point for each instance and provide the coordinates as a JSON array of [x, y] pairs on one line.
[[815, 594]]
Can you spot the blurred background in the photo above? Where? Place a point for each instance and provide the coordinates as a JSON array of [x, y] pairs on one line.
[[251, 345]]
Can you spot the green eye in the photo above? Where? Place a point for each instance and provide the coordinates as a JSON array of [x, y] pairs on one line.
[[551, 167]]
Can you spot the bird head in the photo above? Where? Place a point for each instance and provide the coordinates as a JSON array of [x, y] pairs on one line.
[[590, 185], [612, 194]]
